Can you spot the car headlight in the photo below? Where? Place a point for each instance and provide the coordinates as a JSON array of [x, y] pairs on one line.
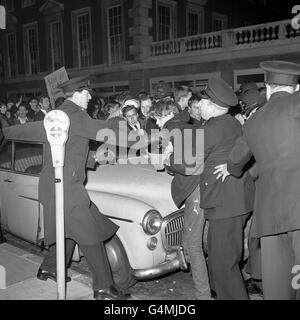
[[152, 222]]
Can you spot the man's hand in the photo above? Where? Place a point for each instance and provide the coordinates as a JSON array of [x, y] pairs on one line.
[[222, 171], [103, 155]]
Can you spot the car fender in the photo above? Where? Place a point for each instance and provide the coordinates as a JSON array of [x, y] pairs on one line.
[[128, 214]]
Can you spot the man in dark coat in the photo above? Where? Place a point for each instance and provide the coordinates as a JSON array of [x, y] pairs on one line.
[[186, 164], [226, 205], [272, 135], [84, 224]]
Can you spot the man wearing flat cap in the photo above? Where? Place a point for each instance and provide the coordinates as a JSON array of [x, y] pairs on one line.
[[272, 136], [84, 224], [227, 204]]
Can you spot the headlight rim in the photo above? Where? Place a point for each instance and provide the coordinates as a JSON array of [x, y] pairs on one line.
[[145, 222]]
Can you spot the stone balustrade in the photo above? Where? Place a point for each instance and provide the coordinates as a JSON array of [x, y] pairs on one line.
[[238, 38]]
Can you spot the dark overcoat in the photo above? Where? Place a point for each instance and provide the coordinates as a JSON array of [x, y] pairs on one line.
[[272, 135], [184, 183], [83, 222], [234, 196]]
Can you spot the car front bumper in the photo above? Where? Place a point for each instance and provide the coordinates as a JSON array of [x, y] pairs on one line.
[[179, 262]]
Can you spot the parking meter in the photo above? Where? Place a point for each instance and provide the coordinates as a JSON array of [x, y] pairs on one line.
[[57, 124]]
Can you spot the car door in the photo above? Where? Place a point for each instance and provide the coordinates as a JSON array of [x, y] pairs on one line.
[[21, 211]]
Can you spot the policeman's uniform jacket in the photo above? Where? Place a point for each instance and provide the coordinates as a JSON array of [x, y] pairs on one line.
[[83, 221], [234, 196], [272, 135]]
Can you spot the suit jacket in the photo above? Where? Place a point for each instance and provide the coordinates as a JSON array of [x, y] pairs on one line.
[[234, 196], [272, 135], [39, 116]]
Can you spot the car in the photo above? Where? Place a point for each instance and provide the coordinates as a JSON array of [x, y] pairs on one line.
[[136, 197]]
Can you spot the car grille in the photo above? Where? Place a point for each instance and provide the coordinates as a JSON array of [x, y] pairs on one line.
[[172, 230]]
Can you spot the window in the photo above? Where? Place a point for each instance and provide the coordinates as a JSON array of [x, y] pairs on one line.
[[27, 3], [195, 20], [25, 93], [220, 21], [8, 4], [11, 45], [31, 49], [56, 45], [111, 88], [246, 75], [115, 35], [6, 156], [165, 20], [83, 32], [28, 158], [196, 82]]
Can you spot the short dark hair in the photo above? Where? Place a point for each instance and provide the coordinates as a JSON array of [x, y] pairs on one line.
[[164, 107], [128, 108], [23, 105], [111, 104], [59, 101], [44, 96], [194, 99]]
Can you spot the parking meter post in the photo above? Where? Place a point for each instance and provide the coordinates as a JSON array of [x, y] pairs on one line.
[[60, 234], [57, 125]]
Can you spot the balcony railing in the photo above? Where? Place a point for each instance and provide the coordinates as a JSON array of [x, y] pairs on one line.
[[250, 36]]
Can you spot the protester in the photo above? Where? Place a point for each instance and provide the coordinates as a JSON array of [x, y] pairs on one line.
[[22, 115], [182, 96], [33, 108], [194, 108], [162, 91], [11, 107], [44, 108], [113, 110], [185, 188], [3, 118]]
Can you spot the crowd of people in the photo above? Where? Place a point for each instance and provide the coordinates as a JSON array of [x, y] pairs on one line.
[[233, 189]]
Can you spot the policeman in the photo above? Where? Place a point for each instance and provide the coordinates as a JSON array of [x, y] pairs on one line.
[[226, 205], [272, 135], [84, 224]]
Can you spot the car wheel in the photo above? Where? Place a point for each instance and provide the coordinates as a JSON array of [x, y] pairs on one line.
[[119, 263]]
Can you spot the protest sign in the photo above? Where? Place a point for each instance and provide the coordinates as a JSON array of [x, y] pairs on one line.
[[53, 80]]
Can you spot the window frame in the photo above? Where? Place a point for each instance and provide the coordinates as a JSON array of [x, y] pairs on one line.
[[184, 77], [50, 25], [28, 66], [75, 15], [221, 17], [199, 10], [13, 154], [245, 72], [173, 18], [8, 8], [8, 68], [122, 34]]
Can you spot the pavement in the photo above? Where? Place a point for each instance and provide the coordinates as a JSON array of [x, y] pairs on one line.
[[18, 281]]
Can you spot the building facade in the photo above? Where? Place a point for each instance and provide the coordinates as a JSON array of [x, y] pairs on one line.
[[129, 45]]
